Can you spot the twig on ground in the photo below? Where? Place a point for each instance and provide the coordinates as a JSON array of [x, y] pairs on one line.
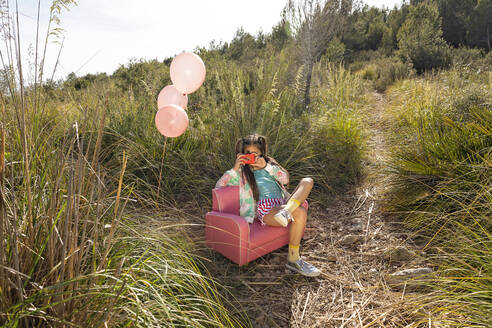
[[305, 304]]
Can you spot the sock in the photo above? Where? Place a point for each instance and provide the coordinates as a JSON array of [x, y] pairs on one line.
[[293, 253], [292, 204]]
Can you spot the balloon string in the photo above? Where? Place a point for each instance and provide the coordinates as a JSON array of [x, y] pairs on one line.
[[160, 171]]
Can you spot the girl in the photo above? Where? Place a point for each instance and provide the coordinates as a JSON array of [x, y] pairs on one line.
[[262, 195]]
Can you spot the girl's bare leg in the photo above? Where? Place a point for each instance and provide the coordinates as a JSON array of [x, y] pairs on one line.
[[302, 190], [295, 262], [268, 218], [300, 213], [300, 193], [296, 227]]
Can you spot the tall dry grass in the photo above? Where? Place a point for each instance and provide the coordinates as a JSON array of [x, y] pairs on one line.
[[233, 102], [71, 254], [442, 137]]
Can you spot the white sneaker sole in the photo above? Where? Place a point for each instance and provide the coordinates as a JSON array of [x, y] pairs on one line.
[[310, 274], [281, 220]]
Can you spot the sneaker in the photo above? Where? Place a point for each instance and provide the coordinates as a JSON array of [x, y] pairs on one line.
[[303, 268], [283, 216]]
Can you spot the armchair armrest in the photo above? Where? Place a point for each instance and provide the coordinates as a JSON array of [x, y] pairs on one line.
[[226, 199], [228, 234], [225, 222]]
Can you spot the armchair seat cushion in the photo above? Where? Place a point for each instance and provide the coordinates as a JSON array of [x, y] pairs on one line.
[[260, 235]]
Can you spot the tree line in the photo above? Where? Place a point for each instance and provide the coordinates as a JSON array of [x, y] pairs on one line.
[[421, 33]]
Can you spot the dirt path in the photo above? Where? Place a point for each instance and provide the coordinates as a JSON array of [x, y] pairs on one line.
[[348, 241]]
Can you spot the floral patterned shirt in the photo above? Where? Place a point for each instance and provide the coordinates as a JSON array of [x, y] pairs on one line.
[[247, 204]]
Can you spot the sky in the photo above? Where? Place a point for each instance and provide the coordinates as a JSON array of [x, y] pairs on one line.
[[101, 35]]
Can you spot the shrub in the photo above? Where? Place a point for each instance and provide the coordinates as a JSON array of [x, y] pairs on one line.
[[336, 146], [420, 39], [362, 56], [466, 56], [356, 66], [390, 70], [385, 71], [369, 72], [334, 52]]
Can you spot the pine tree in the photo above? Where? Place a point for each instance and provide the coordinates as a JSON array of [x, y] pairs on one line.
[[420, 38]]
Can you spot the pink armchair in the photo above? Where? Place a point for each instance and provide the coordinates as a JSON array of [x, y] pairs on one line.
[[230, 234]]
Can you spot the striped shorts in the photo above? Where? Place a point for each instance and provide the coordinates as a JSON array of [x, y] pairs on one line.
[[265, 205]]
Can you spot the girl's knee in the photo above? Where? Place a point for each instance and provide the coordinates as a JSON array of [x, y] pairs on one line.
[[300, 214], [308, 181]]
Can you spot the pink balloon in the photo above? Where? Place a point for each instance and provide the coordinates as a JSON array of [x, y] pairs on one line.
[[171, 96], [171, 120], [187, 72]]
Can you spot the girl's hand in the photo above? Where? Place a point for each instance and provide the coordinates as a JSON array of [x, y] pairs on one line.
[[239, 161], [259, 164]]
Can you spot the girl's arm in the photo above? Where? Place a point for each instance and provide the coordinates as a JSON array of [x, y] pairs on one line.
[[229, 178], [279, 174]]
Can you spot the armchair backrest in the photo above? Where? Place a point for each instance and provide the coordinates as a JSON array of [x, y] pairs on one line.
[[226, 199]]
